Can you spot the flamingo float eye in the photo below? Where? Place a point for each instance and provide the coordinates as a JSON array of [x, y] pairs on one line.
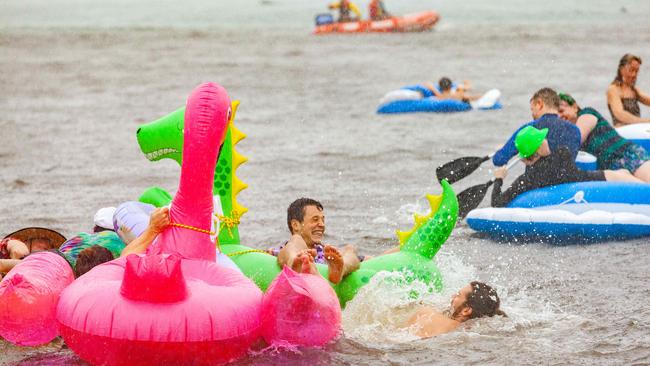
[[229, 113]]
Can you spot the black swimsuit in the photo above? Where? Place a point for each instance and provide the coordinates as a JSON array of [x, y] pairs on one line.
[[557, 168], [630, 105]]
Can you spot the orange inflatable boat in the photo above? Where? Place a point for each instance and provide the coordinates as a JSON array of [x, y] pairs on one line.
[[416, 22]]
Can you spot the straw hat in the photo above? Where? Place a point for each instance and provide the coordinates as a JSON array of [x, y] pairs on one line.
[[28, 233]]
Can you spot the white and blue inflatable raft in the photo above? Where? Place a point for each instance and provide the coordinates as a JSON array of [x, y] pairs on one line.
[[417, 98], [570, 213]]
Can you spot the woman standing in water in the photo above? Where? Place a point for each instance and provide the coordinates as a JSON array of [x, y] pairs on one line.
[[623, 96]]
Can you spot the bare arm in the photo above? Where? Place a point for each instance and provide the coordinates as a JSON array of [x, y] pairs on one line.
[[433, 89], [7, 265], [465, 86], [643, 97], [469, 96], [616, 106], [586, 124], [158, 222]]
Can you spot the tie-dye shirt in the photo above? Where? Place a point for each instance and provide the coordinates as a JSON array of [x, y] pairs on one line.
[[107, 239]]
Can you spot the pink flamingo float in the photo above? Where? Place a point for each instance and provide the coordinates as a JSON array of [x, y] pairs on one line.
[[173, 305]]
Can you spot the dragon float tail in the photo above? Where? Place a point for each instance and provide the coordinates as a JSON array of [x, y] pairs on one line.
[[431, 231]]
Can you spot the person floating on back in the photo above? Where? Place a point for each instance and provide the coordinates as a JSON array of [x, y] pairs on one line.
[[447, 90]]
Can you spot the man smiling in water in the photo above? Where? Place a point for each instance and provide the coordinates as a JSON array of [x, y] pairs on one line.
[[306, 222], [476, 300]]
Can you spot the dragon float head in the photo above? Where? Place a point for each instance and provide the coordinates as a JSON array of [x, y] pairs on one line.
[[163, 138]]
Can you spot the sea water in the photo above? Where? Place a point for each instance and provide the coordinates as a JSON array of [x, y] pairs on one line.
[[79, 77]]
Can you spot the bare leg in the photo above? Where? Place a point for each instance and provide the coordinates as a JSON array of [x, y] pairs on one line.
[[306, 263], [392, 250], [643, 172], [335, 264], [350, 260], [292, 253], [389, 251], [620, 175]]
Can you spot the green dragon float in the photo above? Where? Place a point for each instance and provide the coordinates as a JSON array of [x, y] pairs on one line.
[[163, 138]]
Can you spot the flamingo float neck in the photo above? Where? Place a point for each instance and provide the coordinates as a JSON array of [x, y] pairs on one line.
[[206, 119]]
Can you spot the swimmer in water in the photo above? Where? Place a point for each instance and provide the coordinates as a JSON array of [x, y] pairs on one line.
[[476, 300]]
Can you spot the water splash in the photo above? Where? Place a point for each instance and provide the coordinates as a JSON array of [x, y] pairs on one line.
[[379, 314]]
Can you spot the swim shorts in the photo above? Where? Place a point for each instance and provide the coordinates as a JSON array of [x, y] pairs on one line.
[[633, 157]]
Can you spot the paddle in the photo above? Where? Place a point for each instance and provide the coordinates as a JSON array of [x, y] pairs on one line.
[[458, 169], [470, 198]]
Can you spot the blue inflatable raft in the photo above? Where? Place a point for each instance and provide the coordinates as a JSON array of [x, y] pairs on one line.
[[638, 133], [570, 213], [417, 98]]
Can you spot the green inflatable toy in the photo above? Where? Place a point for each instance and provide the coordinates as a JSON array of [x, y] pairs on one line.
[[163, 138]]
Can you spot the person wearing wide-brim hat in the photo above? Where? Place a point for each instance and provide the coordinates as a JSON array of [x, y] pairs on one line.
[[32, 239], [21, 243], [546, 167]]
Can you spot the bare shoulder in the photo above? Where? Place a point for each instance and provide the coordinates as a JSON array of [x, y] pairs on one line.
[[613, 90], [587, 120], [427, 322]]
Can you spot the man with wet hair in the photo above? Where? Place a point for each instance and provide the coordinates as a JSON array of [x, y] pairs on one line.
[[544, 107], [306, 222], [476, 300]]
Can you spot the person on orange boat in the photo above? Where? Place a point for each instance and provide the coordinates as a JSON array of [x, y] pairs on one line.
[[600, 139], [623, 96], [476, 300], [446, 90], [377, 10], [345, 7]]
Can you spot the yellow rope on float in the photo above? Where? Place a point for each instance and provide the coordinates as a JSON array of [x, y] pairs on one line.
[[248, 251], [192, 228], [229, 222]]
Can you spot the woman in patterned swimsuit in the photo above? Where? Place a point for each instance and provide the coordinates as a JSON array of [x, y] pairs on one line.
[[600, 139], [623, 96]]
